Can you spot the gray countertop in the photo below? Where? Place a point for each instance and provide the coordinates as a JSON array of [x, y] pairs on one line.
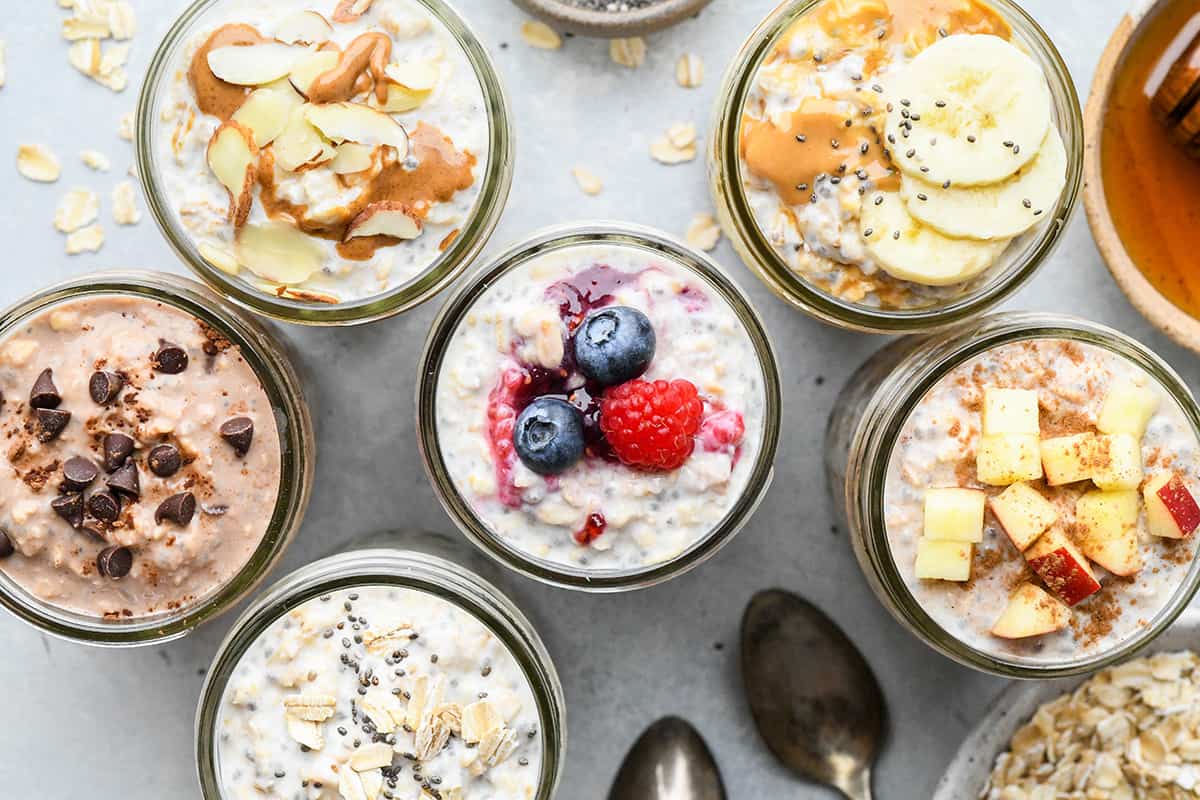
[[81, 722]]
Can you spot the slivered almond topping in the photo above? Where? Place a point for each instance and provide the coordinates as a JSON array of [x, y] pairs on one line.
[[354, 122], [278, 252], [233, 159], [352, 158], [267, 111], [311, 67], [221, 258], [587, 181], [415, 76], [350, 10], [304, 27], [310, 707], [124, 208], [628, 52], [385, 218], [38, 163], [79, 207], [689, 71], [255, 64], [300, 145], [540, 35], [308, 295]]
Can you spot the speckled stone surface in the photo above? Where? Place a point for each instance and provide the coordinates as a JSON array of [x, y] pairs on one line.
[[79, 722]]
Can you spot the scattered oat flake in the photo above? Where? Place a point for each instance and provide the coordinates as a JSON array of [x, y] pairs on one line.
[[676, 146], [124, 198], [122, 22], [79, 207], [628, 52], [125, 131], [689, 71], [540, 35], [85, 240], [587, 181], [704, 232], [682, 134], [37, 163], [96, 160], [84, 56]]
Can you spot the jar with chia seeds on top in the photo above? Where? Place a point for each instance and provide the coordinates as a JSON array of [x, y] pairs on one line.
[[894, 166], [1019, 491]]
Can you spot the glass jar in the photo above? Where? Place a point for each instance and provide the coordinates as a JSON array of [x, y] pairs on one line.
[[457, 309], [495, 182], [270, 363], [1015, 266], [406, 569], [863, 432]]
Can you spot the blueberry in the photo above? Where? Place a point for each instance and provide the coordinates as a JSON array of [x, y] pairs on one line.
[[549, 436], [614, 345]]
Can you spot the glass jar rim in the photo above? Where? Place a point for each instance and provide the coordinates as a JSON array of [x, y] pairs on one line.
[[451, 263], [422, 572], [949, 350], [297, 456], [760, 256], [442, 330]]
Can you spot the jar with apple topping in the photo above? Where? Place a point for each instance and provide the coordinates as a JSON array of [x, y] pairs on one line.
[[162, 453], [599, 407], [894, 166], [1019, 491], [332, 162]]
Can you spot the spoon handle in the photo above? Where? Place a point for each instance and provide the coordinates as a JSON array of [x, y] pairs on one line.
[[857, 785]]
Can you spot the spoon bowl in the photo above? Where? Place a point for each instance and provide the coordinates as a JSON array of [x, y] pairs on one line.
[[670, 761]]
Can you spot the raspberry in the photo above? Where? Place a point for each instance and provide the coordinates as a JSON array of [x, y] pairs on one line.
[[652, 424], [722, 431]]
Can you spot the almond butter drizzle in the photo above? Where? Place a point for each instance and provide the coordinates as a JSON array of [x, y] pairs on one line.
[[214, 96], [370, 51]]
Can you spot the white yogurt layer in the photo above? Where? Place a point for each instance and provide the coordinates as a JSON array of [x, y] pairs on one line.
[[937, 447], [354, 695], [651, 517], [456, 108]]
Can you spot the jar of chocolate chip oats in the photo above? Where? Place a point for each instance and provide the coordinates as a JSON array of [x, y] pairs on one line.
[[163, 453]]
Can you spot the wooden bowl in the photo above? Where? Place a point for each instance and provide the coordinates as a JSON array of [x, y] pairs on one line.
[[612, 24], [1169, 318]]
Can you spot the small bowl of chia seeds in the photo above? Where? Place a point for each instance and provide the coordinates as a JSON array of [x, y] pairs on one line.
[[612, 18]]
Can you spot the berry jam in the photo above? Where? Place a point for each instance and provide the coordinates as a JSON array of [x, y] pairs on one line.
[[592, 529], [583, 293]]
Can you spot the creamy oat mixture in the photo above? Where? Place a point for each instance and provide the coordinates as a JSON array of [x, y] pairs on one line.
[[600, 514], [145, 482], [335, 207], [938, 447], [378, 692], [845, 177]]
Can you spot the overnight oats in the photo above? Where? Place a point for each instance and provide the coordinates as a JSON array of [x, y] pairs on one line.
[[886, 163], [1032, 493], [146, 463], [599, 408], [324, 161], [374, 686]]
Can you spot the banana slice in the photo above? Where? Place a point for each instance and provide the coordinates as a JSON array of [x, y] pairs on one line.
[[969, 109], [906, 249], [998, 211]]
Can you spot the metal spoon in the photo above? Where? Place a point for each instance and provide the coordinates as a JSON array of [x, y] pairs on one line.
[[669, 762], [813, 696]]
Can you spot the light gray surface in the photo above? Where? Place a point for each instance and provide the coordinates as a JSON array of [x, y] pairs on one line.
[[78, 722]]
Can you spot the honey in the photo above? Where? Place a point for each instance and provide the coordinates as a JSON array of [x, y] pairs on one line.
[[1151, 185]]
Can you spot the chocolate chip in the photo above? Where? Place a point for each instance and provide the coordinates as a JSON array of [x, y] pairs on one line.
[[104, 505], [239, 432], [178, 508], [6, 545], [115, 562], [44, 393], [51, 422], [171, 359], [94, 530], [105, 386], [164, 460], [78, 473], [117, 448], [69, 507], [125, 481]]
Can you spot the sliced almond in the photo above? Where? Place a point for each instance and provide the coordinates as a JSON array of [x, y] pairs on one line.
[[371, 756], [540, 35], [220, 257], [386, 218], [304, 27], [478, 720], [310, 707], [78, 207], [350, 10], [704, 232], [233, 159], [415, 76], [278, 252], [305, 732], [587, 181], [254, 64], [124, 208], [629, 52], [122, 22], [351, 158], [267, 111], [300, 144], [354, 122], [85, 240], [689, 71], [307, 295], [95, 160], [37, 163], [310, 67], [85, 56], [400, 100]]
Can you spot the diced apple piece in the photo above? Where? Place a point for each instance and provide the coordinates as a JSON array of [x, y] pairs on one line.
[[1127, 409], [1068, 459], [352, 158], [1109, 521], [233, 159], [1023, 513], [304, 27], [386, 218], [1060, 565], [1031, 612], [1171, 509], [1118, 463], [354, 122], [350, 10], [312, 66], [300, 144], [279, 252], [1003, 460], [1010, 411], [943, 561], [267, 111], [254, 64], [954, 515]]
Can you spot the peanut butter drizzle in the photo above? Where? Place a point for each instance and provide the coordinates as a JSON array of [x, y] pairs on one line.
[[214, 96], [370, 51]]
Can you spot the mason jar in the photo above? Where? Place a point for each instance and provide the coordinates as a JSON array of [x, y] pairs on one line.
[[871, 422], [456, 251], [297, 453], [729, 184], [463, 367], [385, 569]]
